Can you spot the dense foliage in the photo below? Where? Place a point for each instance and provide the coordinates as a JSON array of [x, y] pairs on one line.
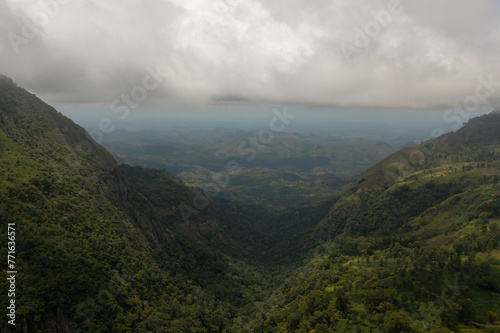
[[95, 254], [412, 246]]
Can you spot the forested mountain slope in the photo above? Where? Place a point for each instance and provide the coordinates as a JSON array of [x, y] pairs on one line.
[[418, 178], [412, 246], [95, 254]]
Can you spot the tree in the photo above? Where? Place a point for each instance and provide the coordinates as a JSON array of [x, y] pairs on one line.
[[397, 322], [492, 317], [468, 309], [373, 299], [342, 302], [451, 315]]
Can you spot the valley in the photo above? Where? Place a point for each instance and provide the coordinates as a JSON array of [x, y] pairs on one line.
[[260, 166], [316, 233], [285, 185]]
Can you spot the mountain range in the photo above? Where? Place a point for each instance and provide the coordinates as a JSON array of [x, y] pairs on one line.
[[412, 245]]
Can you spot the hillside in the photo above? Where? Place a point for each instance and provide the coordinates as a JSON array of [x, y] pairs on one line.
[[412, 246], [437, 169], [103, 248]]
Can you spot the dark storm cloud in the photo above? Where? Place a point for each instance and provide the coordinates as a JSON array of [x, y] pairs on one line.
[[425, 54]]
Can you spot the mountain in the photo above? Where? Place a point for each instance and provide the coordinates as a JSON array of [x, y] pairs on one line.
[[412, 246], [435, 171], [101, 248]]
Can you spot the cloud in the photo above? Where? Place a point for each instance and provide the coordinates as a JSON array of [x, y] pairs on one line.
[[428, 53]]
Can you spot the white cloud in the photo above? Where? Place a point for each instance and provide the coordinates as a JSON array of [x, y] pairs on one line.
[[88, 51]]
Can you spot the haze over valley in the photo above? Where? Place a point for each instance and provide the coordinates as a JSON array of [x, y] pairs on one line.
[[250, 166]]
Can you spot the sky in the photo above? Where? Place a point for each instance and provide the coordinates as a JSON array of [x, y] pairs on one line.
[[336, 53]]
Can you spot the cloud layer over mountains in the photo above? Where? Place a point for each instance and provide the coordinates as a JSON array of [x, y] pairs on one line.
[[385, 53]]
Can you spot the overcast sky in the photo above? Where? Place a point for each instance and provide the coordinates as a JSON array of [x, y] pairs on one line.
[[428, 53]]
